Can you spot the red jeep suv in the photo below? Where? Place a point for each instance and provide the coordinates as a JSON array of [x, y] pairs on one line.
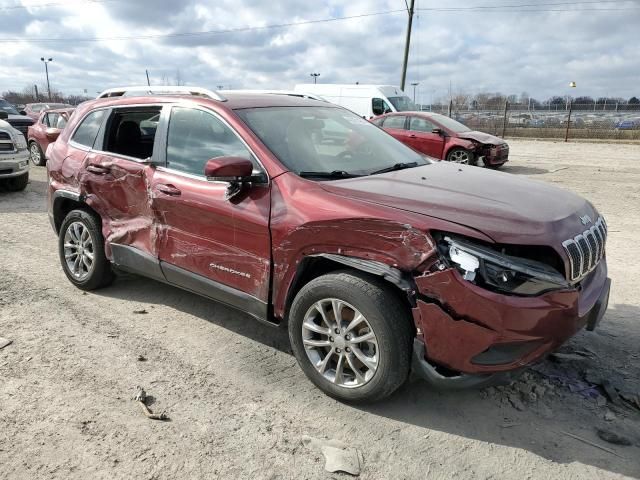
[[301, 213]]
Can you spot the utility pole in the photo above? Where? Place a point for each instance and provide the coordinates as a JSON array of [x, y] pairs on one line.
[[37, 96], [46, 69], [148, 82], [315, 77], [406, 44]]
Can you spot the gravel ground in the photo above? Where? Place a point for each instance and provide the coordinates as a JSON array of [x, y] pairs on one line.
[[240, 406]]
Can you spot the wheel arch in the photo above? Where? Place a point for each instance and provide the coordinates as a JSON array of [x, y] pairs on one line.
[[64, 202], [314, 266]]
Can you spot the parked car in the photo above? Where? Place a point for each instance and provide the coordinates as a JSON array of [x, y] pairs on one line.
[[45, 131], [628, 124], [367, 101], [368, 251], [33, 110], [14, 158], [444, 138], [15, 119]]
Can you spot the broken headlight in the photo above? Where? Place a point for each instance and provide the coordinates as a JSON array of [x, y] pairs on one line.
[[499, 271]]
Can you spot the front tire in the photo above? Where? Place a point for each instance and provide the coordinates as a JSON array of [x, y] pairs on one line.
[[36, 155], [460, 155], [81, 250], [351, 336]]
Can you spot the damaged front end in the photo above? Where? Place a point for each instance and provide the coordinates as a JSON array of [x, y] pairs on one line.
[[482, 312]]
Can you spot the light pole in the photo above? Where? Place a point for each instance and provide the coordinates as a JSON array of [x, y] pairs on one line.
[[414, 85], [46, 69], [566, 134], [315, 77]]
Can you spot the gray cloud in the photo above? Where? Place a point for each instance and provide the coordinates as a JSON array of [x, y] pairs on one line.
[[509, 52]]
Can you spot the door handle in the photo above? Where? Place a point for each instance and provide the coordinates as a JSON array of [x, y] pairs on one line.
[[98, 169], [412, 136], [168, 189]]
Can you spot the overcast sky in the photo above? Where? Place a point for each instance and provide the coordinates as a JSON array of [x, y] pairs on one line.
[[596, 44]]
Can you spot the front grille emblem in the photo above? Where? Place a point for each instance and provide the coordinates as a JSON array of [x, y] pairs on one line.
[[585, 219]]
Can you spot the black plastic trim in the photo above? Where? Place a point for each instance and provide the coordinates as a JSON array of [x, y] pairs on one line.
[[390, 274], [137, 261], [216, 291]]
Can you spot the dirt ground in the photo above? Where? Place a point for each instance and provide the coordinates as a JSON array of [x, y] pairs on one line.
[[240, 406]]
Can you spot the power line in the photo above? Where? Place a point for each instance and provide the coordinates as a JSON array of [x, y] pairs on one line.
[[194, 34]]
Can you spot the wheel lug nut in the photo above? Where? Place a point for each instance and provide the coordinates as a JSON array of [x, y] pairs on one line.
[[347, 349], [337, 350], [337, 330], [348, 337], [331, 339]]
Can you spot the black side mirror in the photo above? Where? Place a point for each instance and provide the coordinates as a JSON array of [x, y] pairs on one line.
[[437, 131], [22, 112]]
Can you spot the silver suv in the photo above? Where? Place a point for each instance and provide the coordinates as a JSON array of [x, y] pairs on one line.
[[14, 158]]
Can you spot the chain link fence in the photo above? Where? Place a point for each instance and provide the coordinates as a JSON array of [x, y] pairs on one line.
[[565, 122]]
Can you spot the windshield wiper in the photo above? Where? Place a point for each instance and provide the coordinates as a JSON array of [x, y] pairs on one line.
[[397, 166], [333, 174]]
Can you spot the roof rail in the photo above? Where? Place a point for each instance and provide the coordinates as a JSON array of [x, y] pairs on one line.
[[290, 93], [146, 90]]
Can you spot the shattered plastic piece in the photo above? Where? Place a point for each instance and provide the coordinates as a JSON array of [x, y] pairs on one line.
[[339, 457], [140, 312], [341, 460], [5, 342]]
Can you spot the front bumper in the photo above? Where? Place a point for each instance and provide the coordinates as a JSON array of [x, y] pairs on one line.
[[471, 330], [14, 164], [496, 156]]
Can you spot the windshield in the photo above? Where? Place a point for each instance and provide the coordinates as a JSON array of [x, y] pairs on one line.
[[450, 124], [325, 139], [403, 104], [7, 107]]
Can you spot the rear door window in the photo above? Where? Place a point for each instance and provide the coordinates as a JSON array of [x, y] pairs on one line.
[[88, 129], [131, 131], [195, 136], [396, 121]]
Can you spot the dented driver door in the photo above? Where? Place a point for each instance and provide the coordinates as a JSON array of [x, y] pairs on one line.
[[207, 243]]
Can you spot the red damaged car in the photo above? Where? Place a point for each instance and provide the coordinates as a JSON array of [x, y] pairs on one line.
[[45, 131], [378, 260], [442, 137]]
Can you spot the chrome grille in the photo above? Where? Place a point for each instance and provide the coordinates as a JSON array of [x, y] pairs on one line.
[[6, 143], [586, 250]]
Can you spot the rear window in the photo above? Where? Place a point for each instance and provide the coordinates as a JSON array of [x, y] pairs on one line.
[[86, 133]]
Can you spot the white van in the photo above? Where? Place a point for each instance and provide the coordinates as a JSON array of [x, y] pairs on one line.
[[366, 100]]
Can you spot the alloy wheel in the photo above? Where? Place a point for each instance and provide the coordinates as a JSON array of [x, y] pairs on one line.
[[340, 343], [34, 153], [460, 156], [78, 250]]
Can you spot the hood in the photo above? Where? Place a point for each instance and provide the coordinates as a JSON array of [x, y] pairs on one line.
[[19, 117], [481, 137], [505, 207]]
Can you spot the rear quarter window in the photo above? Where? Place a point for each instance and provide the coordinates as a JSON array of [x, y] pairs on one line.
[[87, 131]]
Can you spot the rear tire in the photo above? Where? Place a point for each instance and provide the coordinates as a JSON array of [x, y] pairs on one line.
[[17, 184], [369, 358], [81, 250], [36, 155]]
